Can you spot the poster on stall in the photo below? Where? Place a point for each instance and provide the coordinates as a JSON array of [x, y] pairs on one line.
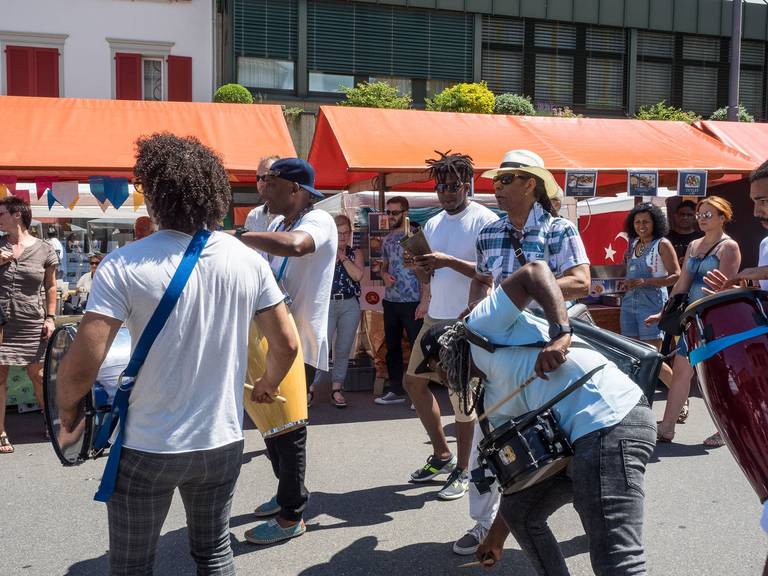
[[692, 183], [378, 228], [643, 182], [582, 183]]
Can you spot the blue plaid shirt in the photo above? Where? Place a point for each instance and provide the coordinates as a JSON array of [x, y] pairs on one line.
[[554, 240]]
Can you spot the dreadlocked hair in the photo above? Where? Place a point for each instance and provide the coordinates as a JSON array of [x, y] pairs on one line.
[[543, 198], [455, 360], [183, 180], [460, 165]]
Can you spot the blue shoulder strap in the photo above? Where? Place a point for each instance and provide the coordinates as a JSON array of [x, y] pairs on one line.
[[119, 412]]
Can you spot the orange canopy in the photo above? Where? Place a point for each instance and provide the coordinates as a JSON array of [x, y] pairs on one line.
[[70, 138], [352, 145], [749, 138]]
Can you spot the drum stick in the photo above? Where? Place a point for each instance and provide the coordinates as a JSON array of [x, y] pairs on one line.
[[278, 397], [507, 398], [476, 564]]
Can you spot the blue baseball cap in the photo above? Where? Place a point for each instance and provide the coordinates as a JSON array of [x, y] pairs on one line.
[[298, 171]]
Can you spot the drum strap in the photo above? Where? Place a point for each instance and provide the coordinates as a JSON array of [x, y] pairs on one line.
[[708, 350], [117, 416]]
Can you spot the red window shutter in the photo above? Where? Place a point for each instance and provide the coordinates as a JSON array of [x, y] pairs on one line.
[[128, 76], [19, 65], [179, 79], [46, 72]]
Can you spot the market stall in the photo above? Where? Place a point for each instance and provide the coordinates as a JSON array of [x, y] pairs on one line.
[[357, 149]]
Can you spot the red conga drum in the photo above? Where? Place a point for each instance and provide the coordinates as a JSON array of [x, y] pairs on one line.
[[727, 338]]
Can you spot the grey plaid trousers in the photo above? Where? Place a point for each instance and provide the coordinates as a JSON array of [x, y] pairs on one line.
[[145, 485]]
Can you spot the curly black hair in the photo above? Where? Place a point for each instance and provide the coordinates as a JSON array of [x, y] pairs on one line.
[[760, 172], [458, 164], [660, 226], [183, 180]]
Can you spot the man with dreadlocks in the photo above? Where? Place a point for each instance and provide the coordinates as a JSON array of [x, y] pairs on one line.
[[445, 274], [529, 231], [607, 420]]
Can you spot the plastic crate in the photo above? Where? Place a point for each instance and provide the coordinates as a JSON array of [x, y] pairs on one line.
[[361, 374]]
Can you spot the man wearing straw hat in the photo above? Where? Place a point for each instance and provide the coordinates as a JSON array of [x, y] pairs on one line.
[[607, 420], [529, 231]]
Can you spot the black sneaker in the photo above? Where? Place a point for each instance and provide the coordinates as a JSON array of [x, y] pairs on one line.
[[434, 467]]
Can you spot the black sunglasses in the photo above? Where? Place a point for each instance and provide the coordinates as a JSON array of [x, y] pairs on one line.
[[261, 177], [393, 212], [507, 179], [441, 188]]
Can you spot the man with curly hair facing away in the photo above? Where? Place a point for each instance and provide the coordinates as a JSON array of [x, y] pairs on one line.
[[185, 417]]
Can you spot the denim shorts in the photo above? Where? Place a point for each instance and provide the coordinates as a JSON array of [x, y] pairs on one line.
[[636, 306]]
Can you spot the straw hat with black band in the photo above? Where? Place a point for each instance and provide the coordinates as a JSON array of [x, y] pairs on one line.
[[525, 161]]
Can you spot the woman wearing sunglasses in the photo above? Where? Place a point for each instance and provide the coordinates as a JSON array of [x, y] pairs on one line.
[[716, 250]]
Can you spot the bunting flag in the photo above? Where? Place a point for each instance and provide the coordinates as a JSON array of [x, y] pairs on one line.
[[72, 206], [138, 200], [7, 185], [43, 184], [97, 184], [116, 191], [51, 199], [23, 194], [65, 193]]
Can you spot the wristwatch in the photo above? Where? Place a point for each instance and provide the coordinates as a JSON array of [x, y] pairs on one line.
[[557, 330], [51, 316]]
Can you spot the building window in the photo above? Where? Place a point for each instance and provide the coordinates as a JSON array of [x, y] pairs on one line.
[[701, 62], [437, 86], [555, 48], [153, 78], [264, 73], [605, 68], [502, 57], [751, 82], [330, 83], [31, 64], [655, 53], [404, 85]]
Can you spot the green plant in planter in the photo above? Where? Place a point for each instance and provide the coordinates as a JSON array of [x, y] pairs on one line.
[[375, 95], [722, 114], [233, 94], [514, 104], [660, 111], [475, 97]]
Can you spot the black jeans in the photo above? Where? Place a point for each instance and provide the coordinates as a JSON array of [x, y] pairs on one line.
[[398, 316], [288, 455], [605, 483]]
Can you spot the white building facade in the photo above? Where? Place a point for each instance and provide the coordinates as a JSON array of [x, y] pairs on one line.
[[124, 49]]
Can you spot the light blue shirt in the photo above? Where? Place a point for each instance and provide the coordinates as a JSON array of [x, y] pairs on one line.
[[604, 400]]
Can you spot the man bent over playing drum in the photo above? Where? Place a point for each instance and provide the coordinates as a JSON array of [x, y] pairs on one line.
[[608, 421]]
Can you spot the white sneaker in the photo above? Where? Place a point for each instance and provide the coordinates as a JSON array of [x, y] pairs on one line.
[[468, 544], [455, 486], [390, 398]]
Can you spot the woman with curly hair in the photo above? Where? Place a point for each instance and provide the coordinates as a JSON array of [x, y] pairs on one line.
[[651, 267]]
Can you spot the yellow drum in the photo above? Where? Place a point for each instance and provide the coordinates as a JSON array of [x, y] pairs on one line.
[[278, 417]]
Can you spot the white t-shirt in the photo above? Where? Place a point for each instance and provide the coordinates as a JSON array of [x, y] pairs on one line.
[[308, 280], [763, 260], [85, 281], [259, 219], [189, 393], [454, 235]]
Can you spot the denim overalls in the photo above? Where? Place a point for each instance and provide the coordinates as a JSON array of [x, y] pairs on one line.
[[642, 301]]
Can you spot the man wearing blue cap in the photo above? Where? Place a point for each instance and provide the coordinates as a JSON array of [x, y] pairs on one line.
[[301, 249]]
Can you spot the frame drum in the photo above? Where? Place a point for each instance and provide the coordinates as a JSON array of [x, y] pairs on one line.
[[75, 447], [278, 417]]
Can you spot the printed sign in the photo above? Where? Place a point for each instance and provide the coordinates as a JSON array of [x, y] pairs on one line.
[[692, 183], [582, 183], [643, 183]]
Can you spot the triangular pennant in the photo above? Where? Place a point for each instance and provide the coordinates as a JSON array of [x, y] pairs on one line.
[[117, 191], [23, 194], [138, 200], [3, 190], [51, 199], [65, 192], [71, 206], [43, 184], [9, 182], [97, 187]]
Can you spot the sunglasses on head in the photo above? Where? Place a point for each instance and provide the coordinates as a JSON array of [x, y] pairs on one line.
[[393, 212], [441, 188]]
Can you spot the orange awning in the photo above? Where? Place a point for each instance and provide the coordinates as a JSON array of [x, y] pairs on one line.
[[353, 145], [749, 138], [69, 138]]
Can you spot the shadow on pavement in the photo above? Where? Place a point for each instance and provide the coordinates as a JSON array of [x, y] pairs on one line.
[[26, 428]]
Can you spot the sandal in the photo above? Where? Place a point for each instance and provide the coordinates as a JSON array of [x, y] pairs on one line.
[[337, 399], [683, 413], [661, 436], [714, 441], [5, 445]]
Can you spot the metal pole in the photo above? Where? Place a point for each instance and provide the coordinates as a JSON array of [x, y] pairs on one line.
[[733, 84]]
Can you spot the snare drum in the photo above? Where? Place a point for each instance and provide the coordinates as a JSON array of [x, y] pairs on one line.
[[727, 339], [525, 451], [77, 446], [278, 417]]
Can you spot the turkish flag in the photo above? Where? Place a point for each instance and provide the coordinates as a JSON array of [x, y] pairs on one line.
[[604, 237]]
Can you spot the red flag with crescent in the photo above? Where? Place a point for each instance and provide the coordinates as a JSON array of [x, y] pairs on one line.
[[604, 237]]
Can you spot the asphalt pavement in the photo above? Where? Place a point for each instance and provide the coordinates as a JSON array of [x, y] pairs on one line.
[[702, 517]]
